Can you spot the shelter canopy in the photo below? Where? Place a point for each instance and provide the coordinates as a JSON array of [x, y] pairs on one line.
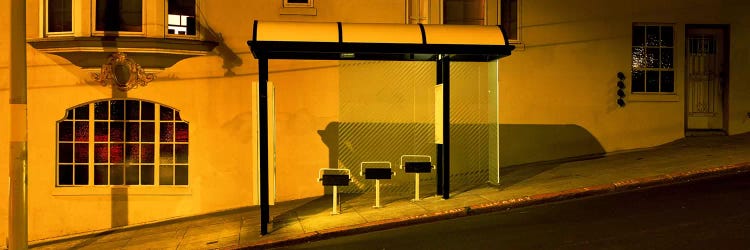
[[392, 42]]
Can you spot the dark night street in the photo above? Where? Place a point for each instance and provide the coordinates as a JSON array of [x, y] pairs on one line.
[[704, 214]]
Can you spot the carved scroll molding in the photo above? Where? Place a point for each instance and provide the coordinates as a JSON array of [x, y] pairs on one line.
[[122, 72]]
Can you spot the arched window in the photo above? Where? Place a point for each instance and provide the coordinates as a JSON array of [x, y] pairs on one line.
[[122, 142]]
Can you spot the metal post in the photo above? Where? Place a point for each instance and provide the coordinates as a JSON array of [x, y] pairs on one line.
[[263, 142], [335, 199], [416, 187], [18, 167], [377, 193], [446, 76], [439, 146]]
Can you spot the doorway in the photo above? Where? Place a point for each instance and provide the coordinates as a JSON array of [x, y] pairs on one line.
[[706, 77]]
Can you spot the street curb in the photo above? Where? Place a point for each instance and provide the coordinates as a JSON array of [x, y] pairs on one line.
[[501, 205]]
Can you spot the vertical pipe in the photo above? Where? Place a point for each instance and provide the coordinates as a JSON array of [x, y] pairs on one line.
[[439, 145], [377, 193], [335, 198], [416, 186], [446, 126], [263, 142], [18, 196]]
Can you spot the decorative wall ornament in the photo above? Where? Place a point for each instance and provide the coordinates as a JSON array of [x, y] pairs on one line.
[[123, 73]]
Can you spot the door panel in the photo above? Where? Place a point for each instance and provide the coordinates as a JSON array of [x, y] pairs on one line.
[[704, 64]]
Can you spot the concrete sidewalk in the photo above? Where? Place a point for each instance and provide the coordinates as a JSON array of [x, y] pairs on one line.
[[310, 219]]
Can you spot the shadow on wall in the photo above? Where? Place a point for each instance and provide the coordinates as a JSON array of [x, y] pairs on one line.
[[529, 143]]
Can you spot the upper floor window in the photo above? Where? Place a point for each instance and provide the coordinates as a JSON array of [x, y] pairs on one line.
[[59, 16], [122, 142], [298, 3], [119, 15], [653, 58], [509, 18], [181, 17], [475, 12]]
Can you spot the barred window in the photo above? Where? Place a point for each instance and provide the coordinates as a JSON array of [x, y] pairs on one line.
[[121, 142], [653, 59]]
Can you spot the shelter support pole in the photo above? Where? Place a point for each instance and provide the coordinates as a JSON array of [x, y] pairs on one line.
[[446, 126], [18, 165], [263, 143], [439, 127]]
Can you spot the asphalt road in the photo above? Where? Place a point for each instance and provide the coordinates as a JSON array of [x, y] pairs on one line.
[[705, 214]]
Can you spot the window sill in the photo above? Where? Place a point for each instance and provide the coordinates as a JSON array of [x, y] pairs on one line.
[[299, 11], [520, 46], [122, 190], [654, 98]]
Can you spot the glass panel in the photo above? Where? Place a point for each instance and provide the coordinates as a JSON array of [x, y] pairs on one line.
[[101, 110], [82, 131], [101, 131], [639, 36], [81, 152], [638, 80], [65, 131], [181, 153], [639, 57], [147, 132], [297, 1], [59, 15], [101, 175], [147, 111], [166, 153], [117, 110], [131, 153], [652, 58], [82, 112], [509, 18], [69, 114], [116, 153], [65, 175], [133, 132], [181, 175], [117, 175], [119, 15], [667, 81], [167, 132], [181, 132], [177, 116], [147, 153], [166, 175], [147, 175], [101, 153], [652, 36], [81, 174], [166, 114], [652, 81], [667, 36], [116, 131], [131, 175], [666, 58], [133, 110], [65, 153]]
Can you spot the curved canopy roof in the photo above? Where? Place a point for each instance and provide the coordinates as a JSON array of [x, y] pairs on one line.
[[395, 42]]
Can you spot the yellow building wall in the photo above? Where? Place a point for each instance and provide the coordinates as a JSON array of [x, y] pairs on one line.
[[4, 119]]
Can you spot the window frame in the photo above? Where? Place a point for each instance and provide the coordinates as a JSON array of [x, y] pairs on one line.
[[144, 20], [91, 142], [493, 15], [658, 69], [45, 20], [186, 36], [309, 4]]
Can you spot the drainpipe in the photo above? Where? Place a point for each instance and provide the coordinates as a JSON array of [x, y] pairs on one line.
[[17, 214]]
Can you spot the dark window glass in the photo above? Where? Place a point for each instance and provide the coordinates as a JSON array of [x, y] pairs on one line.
[[117, 175], [147, 132], [667, 81], [65, 175], [667, 36], [133, 131], [181, 17], [119, 15], [166, 153], [147, 153], [639, 36], [65, 153], [81, 152], [509, 18], [166, 114], [132, 175], [167, 132], [652, 58], [59, 15], [177, 116], [69, 115], [101, 110], [116, 153], [101, 175], [638, 79], [131, 153], [117, 131], [166, 175], [133, 110], [181, 153], [81, 175], [652, 81], [181, 175], [297, 1], [65, 131], [181, 132], [82, 112], [117, 110], [666, 58], [147, 111], [639, 57], [101, 153], [652, 35], [82, 131], [101, 131], [147, 175]]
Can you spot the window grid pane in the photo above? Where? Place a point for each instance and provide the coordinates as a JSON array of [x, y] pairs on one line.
[[653, 59], [59, 15]]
